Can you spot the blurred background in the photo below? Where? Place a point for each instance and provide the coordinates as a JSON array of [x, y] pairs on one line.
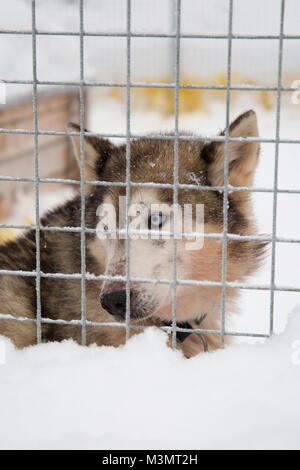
[[203, 61]]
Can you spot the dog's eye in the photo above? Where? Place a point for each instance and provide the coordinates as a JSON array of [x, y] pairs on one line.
[[157, 220]]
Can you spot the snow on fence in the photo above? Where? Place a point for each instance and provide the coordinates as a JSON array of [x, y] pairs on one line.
[[128, 86]]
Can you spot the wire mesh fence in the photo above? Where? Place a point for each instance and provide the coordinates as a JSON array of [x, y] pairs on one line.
[[83, 276]]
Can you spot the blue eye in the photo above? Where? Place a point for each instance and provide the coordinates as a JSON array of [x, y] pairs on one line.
[[157, 220]]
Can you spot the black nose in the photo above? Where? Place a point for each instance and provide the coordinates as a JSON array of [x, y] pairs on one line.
[[114, 302]]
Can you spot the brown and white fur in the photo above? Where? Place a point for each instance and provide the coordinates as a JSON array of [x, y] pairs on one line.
[[150, 304]]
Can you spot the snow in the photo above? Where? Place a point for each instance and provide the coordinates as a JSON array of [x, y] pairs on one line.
[[144, 395], [193, 178]]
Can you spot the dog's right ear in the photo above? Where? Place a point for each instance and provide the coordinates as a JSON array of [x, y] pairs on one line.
[[243, 155], [96, 152]]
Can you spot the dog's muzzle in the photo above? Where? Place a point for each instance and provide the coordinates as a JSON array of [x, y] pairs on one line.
[[114, 302]]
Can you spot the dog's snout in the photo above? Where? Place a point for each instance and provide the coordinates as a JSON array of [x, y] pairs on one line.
[[114, 302]]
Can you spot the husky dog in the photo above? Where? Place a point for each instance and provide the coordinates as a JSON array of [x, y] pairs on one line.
[[151, 160]]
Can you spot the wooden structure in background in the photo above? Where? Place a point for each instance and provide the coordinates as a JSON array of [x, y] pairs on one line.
[[17, 151]]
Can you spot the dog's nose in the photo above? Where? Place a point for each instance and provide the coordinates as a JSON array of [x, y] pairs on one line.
[[114, 302]]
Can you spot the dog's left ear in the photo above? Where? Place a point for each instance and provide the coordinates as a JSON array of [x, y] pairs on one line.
[[96, 152], [243, 156]]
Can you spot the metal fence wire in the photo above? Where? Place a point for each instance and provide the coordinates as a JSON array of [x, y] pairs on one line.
[[177, 86]]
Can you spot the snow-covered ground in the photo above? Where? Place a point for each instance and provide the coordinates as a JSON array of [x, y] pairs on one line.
[[144, 395]]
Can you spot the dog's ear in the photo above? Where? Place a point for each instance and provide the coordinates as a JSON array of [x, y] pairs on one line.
[[243, 156], [96, 152]]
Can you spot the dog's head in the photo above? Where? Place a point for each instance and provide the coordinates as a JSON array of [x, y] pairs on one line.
[[151, 208]]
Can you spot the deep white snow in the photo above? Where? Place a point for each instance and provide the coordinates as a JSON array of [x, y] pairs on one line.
[[144, 395]]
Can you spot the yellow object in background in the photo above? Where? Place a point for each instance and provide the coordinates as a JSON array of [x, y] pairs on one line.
[[7, 234], [10, 234], [190, 100]]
